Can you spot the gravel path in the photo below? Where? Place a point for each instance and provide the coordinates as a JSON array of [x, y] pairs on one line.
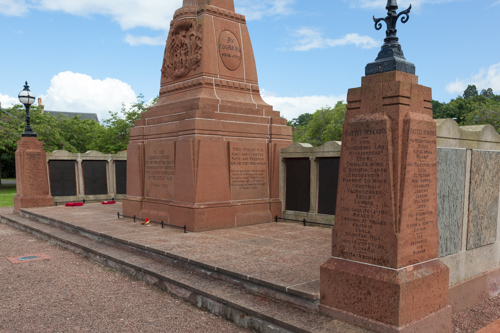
[[69, 293], [476, 317]]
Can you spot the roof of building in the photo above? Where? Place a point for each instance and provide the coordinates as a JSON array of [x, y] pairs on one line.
[[82, 115]]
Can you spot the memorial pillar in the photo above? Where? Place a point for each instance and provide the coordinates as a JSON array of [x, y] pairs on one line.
[[207, 154], [32, 181], [384, 273]]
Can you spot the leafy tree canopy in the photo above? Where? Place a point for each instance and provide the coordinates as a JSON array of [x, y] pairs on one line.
[[473, 107], [72, 134], [322, 126]]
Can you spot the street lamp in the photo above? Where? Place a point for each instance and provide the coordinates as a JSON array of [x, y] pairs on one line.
[[27, 98]]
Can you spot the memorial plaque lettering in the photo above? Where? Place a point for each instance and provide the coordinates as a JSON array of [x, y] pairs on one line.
[[248, 170], [229, 50], [160, 170], [298, 184], [35, 172], [95, 179], [62, 178], [364, 216], [419, 231], [328, 183], [121, 177]]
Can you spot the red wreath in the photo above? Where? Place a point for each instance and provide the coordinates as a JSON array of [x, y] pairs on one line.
[[108, 202], [73, 204]]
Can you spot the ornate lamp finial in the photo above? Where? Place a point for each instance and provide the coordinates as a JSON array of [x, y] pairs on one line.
[[391, 56]]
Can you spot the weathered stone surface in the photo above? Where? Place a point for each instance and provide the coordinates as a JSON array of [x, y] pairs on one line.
[[216, 141], [32, 181], [483, 198], [385, 240], [451, 186]]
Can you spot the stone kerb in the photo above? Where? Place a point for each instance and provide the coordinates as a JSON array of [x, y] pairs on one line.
[[450, 135], [90, 176], [315, 156]]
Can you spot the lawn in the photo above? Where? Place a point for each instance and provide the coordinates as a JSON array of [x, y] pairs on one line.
[[7, 193]]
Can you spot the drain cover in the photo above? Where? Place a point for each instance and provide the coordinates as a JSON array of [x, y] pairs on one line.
[[28, 258], [32, 257]]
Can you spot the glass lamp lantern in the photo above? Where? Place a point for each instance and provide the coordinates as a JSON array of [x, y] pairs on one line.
[[27, 98]]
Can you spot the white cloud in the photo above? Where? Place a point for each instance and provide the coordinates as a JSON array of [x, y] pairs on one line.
[[292, 107], [74, 92], [13, 7], [145, 40], [496, 3], [402, 4], [8, 101], [308, 39], [257, 9], [153, 14], [484, 79]]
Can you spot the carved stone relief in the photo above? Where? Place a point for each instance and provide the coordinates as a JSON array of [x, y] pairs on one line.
[[183, 50]]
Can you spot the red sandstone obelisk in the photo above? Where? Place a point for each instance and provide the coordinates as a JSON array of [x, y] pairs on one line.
[[207, 154], [32, 180], [384, 273]]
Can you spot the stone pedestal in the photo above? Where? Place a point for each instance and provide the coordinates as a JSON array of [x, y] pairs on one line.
[[384, 273], [32, 181], [207, 154]]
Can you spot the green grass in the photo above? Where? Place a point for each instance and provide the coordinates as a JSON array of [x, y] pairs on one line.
[[7, 193]]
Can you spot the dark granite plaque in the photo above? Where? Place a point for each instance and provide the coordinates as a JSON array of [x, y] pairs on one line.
[[95, 179], [298, 171], [121, 177], [62, 178], [328, 182]]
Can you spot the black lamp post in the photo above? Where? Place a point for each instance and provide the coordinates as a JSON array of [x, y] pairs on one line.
[[27, 98]]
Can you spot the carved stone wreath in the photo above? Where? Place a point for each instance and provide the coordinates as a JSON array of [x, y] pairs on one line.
[[183, 50]]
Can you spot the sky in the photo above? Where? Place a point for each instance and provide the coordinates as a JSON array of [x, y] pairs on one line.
[[95, 55]]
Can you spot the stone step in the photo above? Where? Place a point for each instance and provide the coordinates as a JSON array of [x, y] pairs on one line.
[[266, 288], [231, 301]]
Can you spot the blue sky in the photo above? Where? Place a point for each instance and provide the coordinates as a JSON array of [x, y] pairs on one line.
[[92, 55]]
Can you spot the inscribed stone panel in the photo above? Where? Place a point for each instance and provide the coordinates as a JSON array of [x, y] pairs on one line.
[[34, 173], [95, 178], [62, 178], [328, 182], [298, 176], [483, 198], [248, 170], [451, 184], [160, 169], [121, 177]]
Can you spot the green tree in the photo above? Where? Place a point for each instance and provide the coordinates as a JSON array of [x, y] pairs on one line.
[[114, 137], [325, 125], [471, 107], [470, 91], [11, 127]]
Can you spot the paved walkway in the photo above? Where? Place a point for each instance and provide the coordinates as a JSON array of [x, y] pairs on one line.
[[285, 255]]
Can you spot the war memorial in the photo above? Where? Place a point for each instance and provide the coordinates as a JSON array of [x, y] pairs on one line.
[[412, 202]]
